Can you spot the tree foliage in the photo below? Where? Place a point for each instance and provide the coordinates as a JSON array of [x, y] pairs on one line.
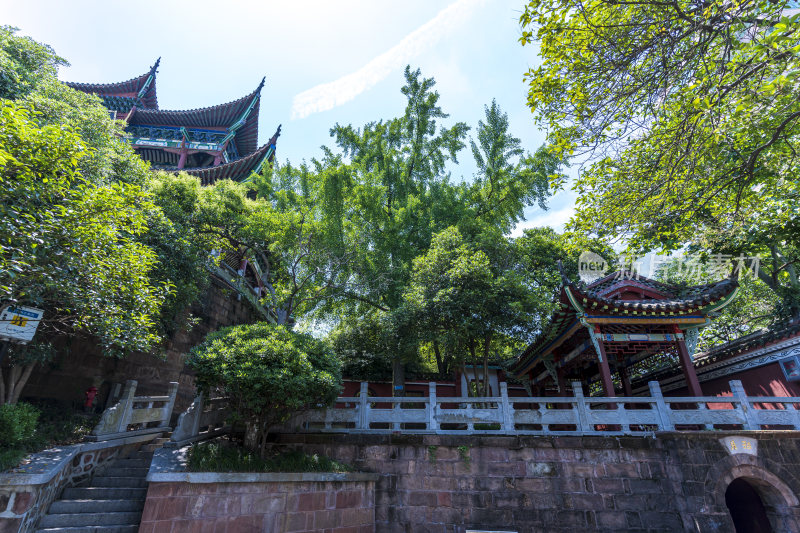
[[688, 113], [69, 245], [755, 306], [470, 301], [269, 373], [381, 196], [24, 64], [79, 234]]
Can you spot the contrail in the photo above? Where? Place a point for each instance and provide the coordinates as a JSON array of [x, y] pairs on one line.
[[329, 95]]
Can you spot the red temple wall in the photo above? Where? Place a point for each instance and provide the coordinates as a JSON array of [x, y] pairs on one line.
[[767, 380]]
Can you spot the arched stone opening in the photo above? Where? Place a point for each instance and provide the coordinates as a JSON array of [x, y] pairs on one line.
[[746, 508], [749, 484]]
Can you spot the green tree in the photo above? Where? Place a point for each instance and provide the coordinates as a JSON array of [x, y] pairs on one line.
[[508, 180], [24, 64], [69, 246], [382, 196], [471, 300], [755, 306], [269, 373], [688, 115]]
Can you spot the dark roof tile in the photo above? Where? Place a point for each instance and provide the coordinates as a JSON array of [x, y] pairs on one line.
[[132, 86], [219, 116]]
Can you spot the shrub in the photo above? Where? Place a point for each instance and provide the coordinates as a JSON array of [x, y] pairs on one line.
[[268, 372], [17, 424], [220, 456]]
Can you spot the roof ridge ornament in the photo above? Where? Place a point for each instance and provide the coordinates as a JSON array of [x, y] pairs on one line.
[[150, 78]]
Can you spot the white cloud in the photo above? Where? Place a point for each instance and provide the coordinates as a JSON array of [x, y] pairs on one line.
[[329, 95], [555, 219]]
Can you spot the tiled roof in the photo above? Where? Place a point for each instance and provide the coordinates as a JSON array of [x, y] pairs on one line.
[[119, 103], [219, 116], [129, 87], [236, 170], [692, 299], [775, 333], [609, 283], [593, 300]]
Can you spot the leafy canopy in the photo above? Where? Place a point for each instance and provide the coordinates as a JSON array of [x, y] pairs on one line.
[[68, 245], [687, 113]]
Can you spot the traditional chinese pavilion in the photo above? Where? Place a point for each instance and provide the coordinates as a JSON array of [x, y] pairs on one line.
[[218, 142], [619, 328]]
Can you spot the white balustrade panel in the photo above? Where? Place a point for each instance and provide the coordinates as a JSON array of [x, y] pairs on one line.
[[553, 415]]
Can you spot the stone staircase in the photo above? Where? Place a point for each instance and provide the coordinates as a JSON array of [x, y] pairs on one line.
[[111, 503]]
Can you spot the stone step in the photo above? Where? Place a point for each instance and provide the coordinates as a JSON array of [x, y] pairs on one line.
[[103, 493], [122, 471], [90, 519], [119, 482], [96, 506], [91, 529], [131, 463]]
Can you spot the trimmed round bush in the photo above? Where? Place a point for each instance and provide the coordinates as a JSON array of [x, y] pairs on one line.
[[269, 373]]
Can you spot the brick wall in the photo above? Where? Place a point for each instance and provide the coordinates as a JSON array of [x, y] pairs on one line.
[[331, 506], [675, 482]]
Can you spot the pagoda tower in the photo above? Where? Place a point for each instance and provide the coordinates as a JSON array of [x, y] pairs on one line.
[[212, 143]]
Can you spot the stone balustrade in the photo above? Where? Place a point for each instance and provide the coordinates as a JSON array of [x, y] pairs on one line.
[[576, 415], [133, 415], [203, 419]]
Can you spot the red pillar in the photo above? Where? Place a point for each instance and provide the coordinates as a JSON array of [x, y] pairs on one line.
[[184, 153], [626, 382], [562, 383], [689, 374], [605, 370]]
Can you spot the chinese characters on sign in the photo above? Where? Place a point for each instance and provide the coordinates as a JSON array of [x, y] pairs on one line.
[[736, 444]]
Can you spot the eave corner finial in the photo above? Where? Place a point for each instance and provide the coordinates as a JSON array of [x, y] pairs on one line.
[[274, 138]]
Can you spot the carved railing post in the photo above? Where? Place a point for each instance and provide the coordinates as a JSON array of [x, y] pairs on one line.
[[126, 402], [115, 419], [363, 406], [167, 409], [432, 407], [113, 394], [661, 407], [750, 418], [507, 413], [188, 424], [580, 405]]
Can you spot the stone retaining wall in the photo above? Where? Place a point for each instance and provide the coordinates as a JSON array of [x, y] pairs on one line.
[[674, 482], [334, 503], [26, 492]]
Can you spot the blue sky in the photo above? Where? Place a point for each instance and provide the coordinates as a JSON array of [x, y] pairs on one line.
[[325, 62]]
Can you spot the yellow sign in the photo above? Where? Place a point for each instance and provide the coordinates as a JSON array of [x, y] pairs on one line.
[[19, 321]]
